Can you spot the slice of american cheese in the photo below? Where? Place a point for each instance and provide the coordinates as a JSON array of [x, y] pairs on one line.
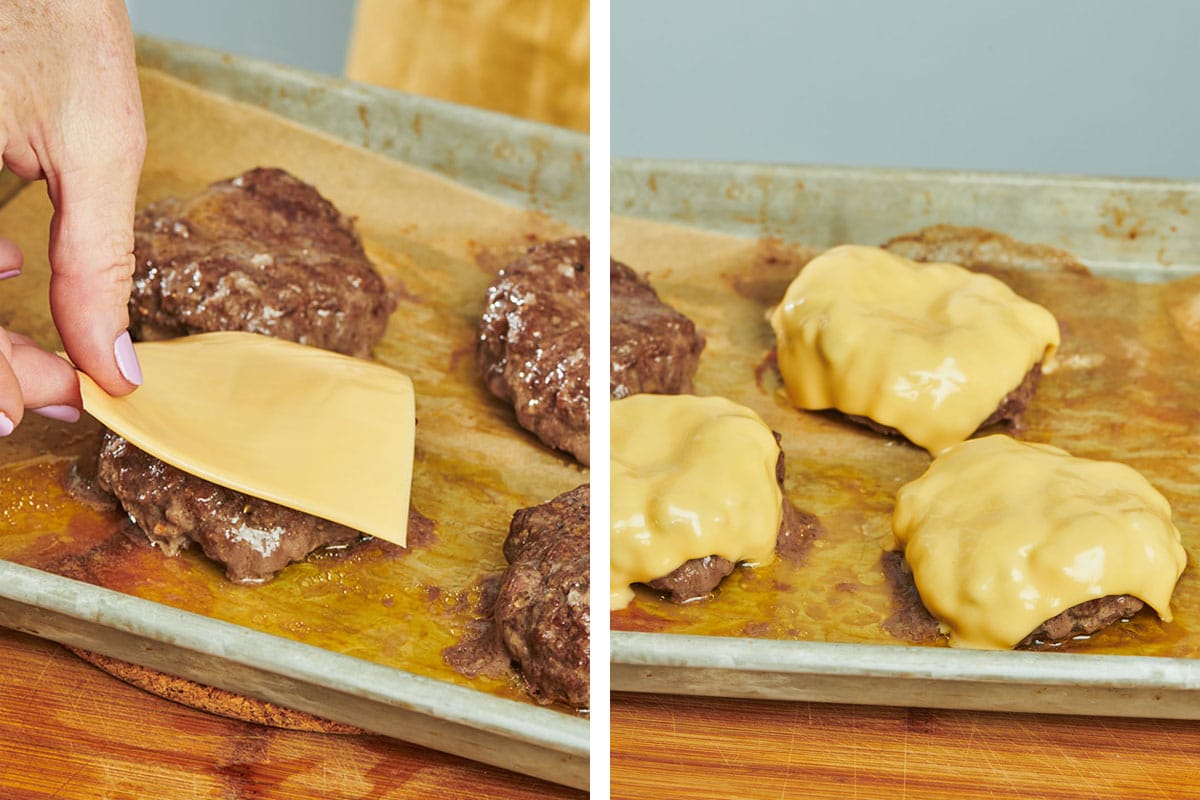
[[312, 430]]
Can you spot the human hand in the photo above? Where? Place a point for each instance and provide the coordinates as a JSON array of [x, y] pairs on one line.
[[71, 114]]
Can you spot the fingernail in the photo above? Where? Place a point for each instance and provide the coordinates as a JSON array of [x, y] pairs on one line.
[[127, 360], [6, 424], [9, 273], [61, 413]]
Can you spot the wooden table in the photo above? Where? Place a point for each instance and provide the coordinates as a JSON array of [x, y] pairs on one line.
[[68, 730], [691, 747]]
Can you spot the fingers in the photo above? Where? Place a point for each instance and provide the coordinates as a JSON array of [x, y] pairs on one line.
[[12, 404], [92, 162], [11, 259], [91, 263], [31, 378], [46, 380], [75, 118]]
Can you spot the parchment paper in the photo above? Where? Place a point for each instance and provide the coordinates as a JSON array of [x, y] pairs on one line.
[[437, 245], [1125, 389]]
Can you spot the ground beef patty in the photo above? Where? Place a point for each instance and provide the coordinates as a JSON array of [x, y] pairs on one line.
[[700, 576], [263, 252], [912, 622], [542, 610], [253, 538], [654, 348], [533, 341], [1082, 620], [532, 348]]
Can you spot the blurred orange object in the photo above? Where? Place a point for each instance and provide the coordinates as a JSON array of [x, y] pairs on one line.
[[528, 58]]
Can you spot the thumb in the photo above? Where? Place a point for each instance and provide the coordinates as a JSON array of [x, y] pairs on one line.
[[91, 265]]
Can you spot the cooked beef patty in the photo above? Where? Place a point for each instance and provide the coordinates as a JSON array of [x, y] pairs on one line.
[[1083, 619], [263, 252], [532, 348], [542, 610], [654, 348], [693, 579], [700, 576], [1009, 411], [533, 341], [912, 622], [253, 538]]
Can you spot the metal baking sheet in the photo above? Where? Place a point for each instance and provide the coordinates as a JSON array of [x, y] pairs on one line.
[[1143, 230], [524, 164]]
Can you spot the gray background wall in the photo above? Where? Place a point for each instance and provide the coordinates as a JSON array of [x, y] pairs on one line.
[[311, 34], [1076, 86]]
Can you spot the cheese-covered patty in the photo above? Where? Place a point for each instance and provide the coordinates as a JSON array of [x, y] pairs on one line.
[[308, 429], [927, 349], [690, 477], [1002, 535]]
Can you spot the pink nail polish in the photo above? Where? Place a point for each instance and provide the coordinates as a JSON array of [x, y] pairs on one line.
[[127, 360], [6, 424], [61, 413], [9, 273]]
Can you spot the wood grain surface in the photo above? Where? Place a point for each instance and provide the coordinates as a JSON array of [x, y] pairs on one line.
[[693, 747], [68, 730]]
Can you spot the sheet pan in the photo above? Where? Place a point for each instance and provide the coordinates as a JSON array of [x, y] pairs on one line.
[[1142, 230], [523, 164]]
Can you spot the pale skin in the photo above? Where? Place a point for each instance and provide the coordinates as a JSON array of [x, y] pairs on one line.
[[71, 115]]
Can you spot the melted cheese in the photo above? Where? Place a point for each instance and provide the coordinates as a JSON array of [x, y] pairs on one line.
[[928, 349], [691, 477], [312, 430], [1002, 535]]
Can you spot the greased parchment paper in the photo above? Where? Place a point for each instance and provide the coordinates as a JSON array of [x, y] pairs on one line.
[[1126, 388], [436, 245]]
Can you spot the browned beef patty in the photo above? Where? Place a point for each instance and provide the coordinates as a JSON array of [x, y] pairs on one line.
[[532, 348], [1083, 619], [654, 348], [263, 252], [253, 538], [693, 579], [911, 621], [1009, 410], [542, 610], [700, 576]]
